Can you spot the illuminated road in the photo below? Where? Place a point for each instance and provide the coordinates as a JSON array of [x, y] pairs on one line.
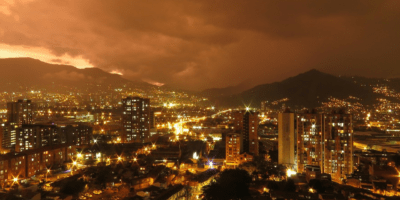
[[178, 126]]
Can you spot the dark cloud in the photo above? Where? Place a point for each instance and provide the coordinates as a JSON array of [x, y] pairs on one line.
[[202, 44]]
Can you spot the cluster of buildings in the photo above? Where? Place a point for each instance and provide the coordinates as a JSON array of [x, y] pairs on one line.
[[29, 149], [314, 139], [244, 140]]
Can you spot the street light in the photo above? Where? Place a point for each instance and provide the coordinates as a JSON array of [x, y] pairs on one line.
[[15, 179], [47, 171], [79, 155]]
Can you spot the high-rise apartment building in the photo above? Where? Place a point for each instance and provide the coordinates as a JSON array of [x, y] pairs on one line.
[[286, 139], [233, 146], [325, 140], [20, 112], [135, 119], [337, 145], [237, 118], [250, 132], [246, 122], [309, 140], [9, 136]]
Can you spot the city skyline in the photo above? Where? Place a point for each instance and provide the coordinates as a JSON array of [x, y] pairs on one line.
[[188, 100], [200, 45]]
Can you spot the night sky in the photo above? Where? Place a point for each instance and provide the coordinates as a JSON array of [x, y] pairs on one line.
[[203, 44]]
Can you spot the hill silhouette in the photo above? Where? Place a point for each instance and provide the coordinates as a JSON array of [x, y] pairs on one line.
[[22, 73], [308, 89]]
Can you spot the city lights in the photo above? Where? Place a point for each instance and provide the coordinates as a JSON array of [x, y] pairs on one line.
[[195, 156], [211, 164], [183, 137], [290, 172]]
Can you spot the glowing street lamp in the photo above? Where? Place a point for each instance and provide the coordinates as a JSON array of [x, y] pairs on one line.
[[210, 163], [95, 141], [119, 158], [79, 155], [47, 171], [15, 179]]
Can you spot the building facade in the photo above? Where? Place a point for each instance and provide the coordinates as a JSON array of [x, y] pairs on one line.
[[338, 145], [286, 139], [20, 112], [250, 132], [325, 140], [309, 140], [237, 118], [233, 148], [136, 119]]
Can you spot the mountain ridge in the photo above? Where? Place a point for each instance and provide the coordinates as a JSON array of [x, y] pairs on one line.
[[17, 73], [308, 89]]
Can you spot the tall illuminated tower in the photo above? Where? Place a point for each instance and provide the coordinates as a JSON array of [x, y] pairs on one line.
[[338, 145], [309, 140], [136, 119], [325, 140], [250, 132], [20, 112], [233, 147]]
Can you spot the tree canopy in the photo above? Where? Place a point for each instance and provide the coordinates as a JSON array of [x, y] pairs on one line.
[[232, 184]]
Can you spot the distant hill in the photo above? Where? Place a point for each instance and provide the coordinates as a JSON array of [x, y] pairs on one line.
[[24, 73], [308, 89], [231, 90]]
